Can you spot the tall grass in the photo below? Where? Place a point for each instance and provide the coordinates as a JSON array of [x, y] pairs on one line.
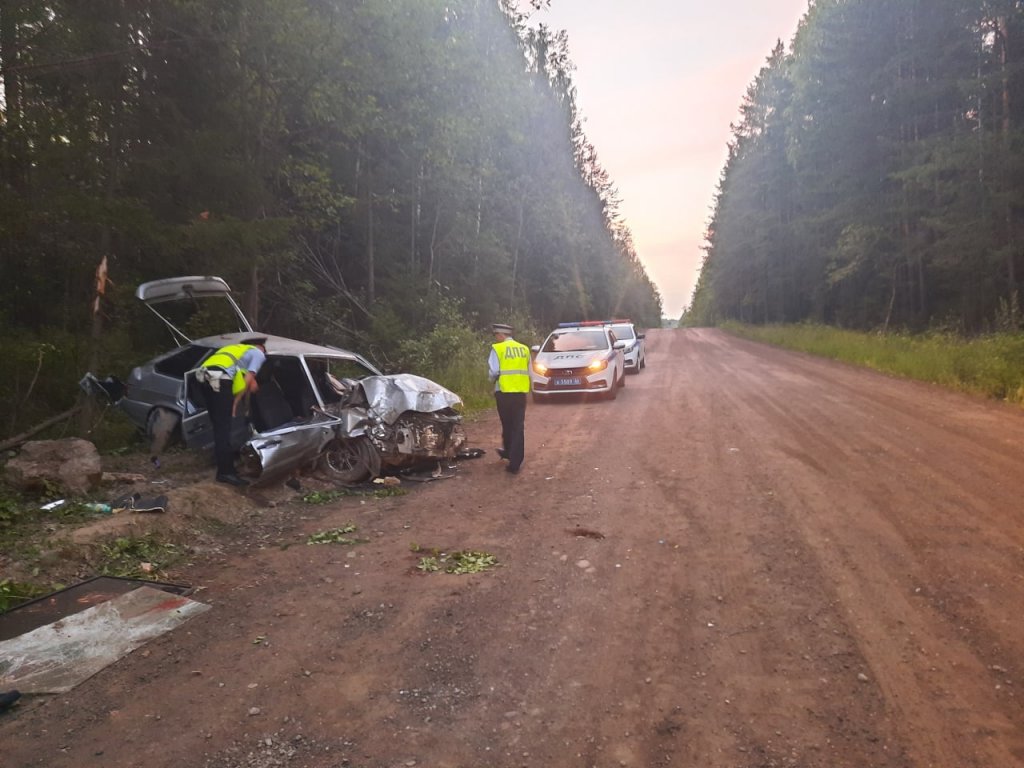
[[991, 365]]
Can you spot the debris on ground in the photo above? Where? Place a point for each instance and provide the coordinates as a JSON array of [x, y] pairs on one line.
[[335, 536], [462, 562], [586, 533], [58, 656], [8, 699]]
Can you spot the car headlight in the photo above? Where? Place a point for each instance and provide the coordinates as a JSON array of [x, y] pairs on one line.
[[598, 365], [540, 368]]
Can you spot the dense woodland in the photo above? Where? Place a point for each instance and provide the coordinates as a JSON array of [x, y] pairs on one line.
[[360, 171], [876, 177]]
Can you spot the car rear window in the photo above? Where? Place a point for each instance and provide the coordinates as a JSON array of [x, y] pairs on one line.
[[576, 341]]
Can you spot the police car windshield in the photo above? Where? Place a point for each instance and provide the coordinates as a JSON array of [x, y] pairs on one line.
[[576, 341], [623, 332]]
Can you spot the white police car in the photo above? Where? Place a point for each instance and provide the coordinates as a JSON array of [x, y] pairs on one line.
[[634, 351], [578, 358]]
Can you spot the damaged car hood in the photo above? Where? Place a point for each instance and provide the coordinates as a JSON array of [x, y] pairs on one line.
[[388, 397]]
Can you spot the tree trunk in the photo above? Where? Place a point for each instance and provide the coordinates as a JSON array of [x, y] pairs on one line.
[[371, 288], [515, 254], [253, 305], [15, 146], [433, 244]]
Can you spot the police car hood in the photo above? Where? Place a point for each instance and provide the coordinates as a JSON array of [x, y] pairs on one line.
[[391, 396]]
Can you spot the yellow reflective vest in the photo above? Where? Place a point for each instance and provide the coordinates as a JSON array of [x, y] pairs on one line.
[[513, 366], [227, 358]]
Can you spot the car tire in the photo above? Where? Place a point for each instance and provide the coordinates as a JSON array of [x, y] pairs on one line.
[[538, 400], [348, 461], [643, 364], [162, 429], [622, 379]]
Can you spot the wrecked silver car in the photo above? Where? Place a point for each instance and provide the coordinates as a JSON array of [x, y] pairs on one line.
[[316, 405]]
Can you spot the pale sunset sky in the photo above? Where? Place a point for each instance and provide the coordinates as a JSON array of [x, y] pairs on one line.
[[659, 82]]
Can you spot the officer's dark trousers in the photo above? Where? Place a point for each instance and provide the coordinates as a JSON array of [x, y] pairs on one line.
[[512, 412], [218, 405]]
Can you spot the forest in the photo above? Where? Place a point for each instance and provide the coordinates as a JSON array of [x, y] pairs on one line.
[[875, 178], [385, 175]]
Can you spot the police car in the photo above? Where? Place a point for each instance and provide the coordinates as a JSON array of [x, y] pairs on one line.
[[634, 351], [578, 358]]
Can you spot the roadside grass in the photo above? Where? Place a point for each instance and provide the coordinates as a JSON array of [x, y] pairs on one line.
[[992, 365], [26, 536], [142, 557]]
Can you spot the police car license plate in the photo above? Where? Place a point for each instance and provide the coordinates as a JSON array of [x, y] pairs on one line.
[[574, 382]]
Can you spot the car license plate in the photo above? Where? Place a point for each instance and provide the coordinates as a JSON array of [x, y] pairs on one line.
[[567, 382]]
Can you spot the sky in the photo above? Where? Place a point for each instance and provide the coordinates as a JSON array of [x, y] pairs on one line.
[[658, 83]]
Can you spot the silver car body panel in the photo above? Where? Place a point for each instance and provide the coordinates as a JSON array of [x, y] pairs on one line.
[[406, 418]]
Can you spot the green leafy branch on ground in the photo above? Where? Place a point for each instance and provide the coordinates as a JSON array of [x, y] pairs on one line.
[[464, 561], [335, 536], [143, 557]]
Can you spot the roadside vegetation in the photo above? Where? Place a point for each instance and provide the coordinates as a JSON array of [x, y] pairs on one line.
[[862, 194], [385, 176], [990, 365]]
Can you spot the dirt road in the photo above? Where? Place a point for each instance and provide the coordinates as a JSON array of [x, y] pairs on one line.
[[802, 564]]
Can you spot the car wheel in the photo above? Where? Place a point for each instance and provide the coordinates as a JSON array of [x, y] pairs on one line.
[[643, 364], [162, 429], [348, 461], [541, 400], [622, 379]]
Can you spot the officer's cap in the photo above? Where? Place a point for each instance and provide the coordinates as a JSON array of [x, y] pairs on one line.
[[501, 328]]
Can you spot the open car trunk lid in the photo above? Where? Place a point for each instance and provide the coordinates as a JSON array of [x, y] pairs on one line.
[[190, 288]]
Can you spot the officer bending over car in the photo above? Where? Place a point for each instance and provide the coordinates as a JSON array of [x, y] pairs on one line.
[[225, 378]]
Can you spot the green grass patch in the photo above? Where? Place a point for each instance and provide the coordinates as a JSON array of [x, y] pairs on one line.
[[138, 558], [22, 518], [992, 366], [14, 593]]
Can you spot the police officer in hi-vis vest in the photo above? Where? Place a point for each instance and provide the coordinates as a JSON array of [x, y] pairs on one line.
[[509, 367], [225, 377]]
